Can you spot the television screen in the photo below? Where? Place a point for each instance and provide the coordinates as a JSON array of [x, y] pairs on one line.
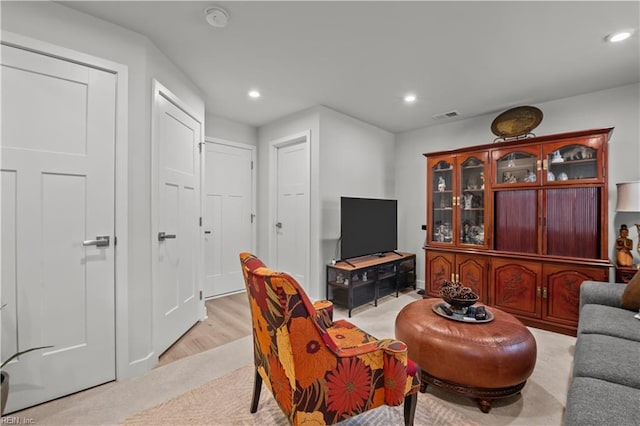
[[368, 226]]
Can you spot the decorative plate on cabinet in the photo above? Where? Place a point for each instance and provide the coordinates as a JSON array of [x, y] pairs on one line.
[[516, 121]]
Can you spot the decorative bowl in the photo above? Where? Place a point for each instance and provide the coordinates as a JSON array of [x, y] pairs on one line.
[[459, 305]]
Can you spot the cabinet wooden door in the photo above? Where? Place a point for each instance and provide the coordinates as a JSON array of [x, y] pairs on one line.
[[441, 201], [574, 161], [439, 267], [572, 222], [473, 212], [561, 291], [516, 220], [517, 286], [519, 166], [473, 271]]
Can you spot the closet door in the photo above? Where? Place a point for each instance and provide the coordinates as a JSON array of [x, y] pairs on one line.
[[58, 283]]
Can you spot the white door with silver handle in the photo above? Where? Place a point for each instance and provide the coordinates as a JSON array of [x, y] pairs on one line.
[[58, 203]]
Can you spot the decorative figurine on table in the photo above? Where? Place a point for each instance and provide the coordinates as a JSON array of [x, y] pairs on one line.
[[624, 245], [441, 184]]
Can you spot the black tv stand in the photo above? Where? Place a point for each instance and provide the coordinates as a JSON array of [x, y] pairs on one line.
[[347, 262], [366, 279]]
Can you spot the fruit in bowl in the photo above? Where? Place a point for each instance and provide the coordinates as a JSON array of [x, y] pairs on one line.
[[458, 296]]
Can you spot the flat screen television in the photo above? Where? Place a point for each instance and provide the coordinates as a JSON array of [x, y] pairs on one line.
[[368, 226]]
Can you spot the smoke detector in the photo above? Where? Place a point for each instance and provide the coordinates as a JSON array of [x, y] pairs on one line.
[[217, 16]]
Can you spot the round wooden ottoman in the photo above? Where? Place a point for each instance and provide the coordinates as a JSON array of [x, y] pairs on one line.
[[484, 361]]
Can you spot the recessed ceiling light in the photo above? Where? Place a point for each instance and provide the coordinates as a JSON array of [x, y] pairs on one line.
[[254, 94], [618, 36], [410, 98]]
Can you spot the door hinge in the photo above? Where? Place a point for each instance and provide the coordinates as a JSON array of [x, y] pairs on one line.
[[252, 217], [200, 144], [200, 294], [251, 164], [200, 221], [115, 240]]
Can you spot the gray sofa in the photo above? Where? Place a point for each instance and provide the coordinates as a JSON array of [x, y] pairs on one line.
[[605, 387]]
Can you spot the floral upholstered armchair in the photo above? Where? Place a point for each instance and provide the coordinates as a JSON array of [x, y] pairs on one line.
[[320, 371]]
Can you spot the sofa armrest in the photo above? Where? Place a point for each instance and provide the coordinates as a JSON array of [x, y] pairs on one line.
[[601, 293]]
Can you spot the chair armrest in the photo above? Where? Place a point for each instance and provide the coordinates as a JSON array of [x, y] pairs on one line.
[[384, 345], [324, 309], [601, 293]]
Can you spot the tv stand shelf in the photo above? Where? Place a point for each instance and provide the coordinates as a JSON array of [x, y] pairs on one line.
[[354, 282]]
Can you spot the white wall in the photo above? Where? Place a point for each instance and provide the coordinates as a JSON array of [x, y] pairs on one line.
[[618, 107], [59, 25], [356, 160], [223, 128], [348, 157]]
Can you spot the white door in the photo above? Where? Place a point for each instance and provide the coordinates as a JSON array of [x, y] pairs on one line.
[[228, 216], [292, 211], [177, 239], [58, 283]]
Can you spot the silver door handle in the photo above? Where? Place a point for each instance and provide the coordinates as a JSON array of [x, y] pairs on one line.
[[164, 236], [278, 225], [100, 241]]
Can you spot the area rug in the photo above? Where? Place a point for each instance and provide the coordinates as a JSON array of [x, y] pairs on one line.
[[226, 400]]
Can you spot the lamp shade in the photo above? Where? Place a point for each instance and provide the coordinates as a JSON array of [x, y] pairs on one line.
[[628, 197]]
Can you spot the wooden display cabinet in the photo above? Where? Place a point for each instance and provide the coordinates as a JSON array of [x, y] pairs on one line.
[[544, 214]]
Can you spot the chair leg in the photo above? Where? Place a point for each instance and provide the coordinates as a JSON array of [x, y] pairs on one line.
[[410, 402], [257, 386]]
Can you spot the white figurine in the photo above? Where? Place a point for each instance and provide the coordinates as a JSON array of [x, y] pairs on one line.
[[468, 199], [441, 184]]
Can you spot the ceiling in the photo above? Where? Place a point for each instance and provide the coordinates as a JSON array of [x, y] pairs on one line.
[[362, 57]]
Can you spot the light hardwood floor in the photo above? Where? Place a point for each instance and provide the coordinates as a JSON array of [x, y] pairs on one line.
[[228, 319]]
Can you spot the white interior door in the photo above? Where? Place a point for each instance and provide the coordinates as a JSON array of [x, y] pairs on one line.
[[58, 139], [228, 215], [292, 211], [177, 289]]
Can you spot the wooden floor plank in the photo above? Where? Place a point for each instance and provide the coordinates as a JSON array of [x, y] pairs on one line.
[[228, 319]]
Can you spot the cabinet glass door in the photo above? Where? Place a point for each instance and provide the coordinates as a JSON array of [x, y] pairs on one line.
[[517, 167], [442, 202], [472, 200], [571, 162]]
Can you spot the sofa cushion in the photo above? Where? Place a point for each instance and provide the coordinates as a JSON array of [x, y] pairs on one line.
[[597, 402], [631, 294], [601, 319], [601, 293], [607, 358]]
